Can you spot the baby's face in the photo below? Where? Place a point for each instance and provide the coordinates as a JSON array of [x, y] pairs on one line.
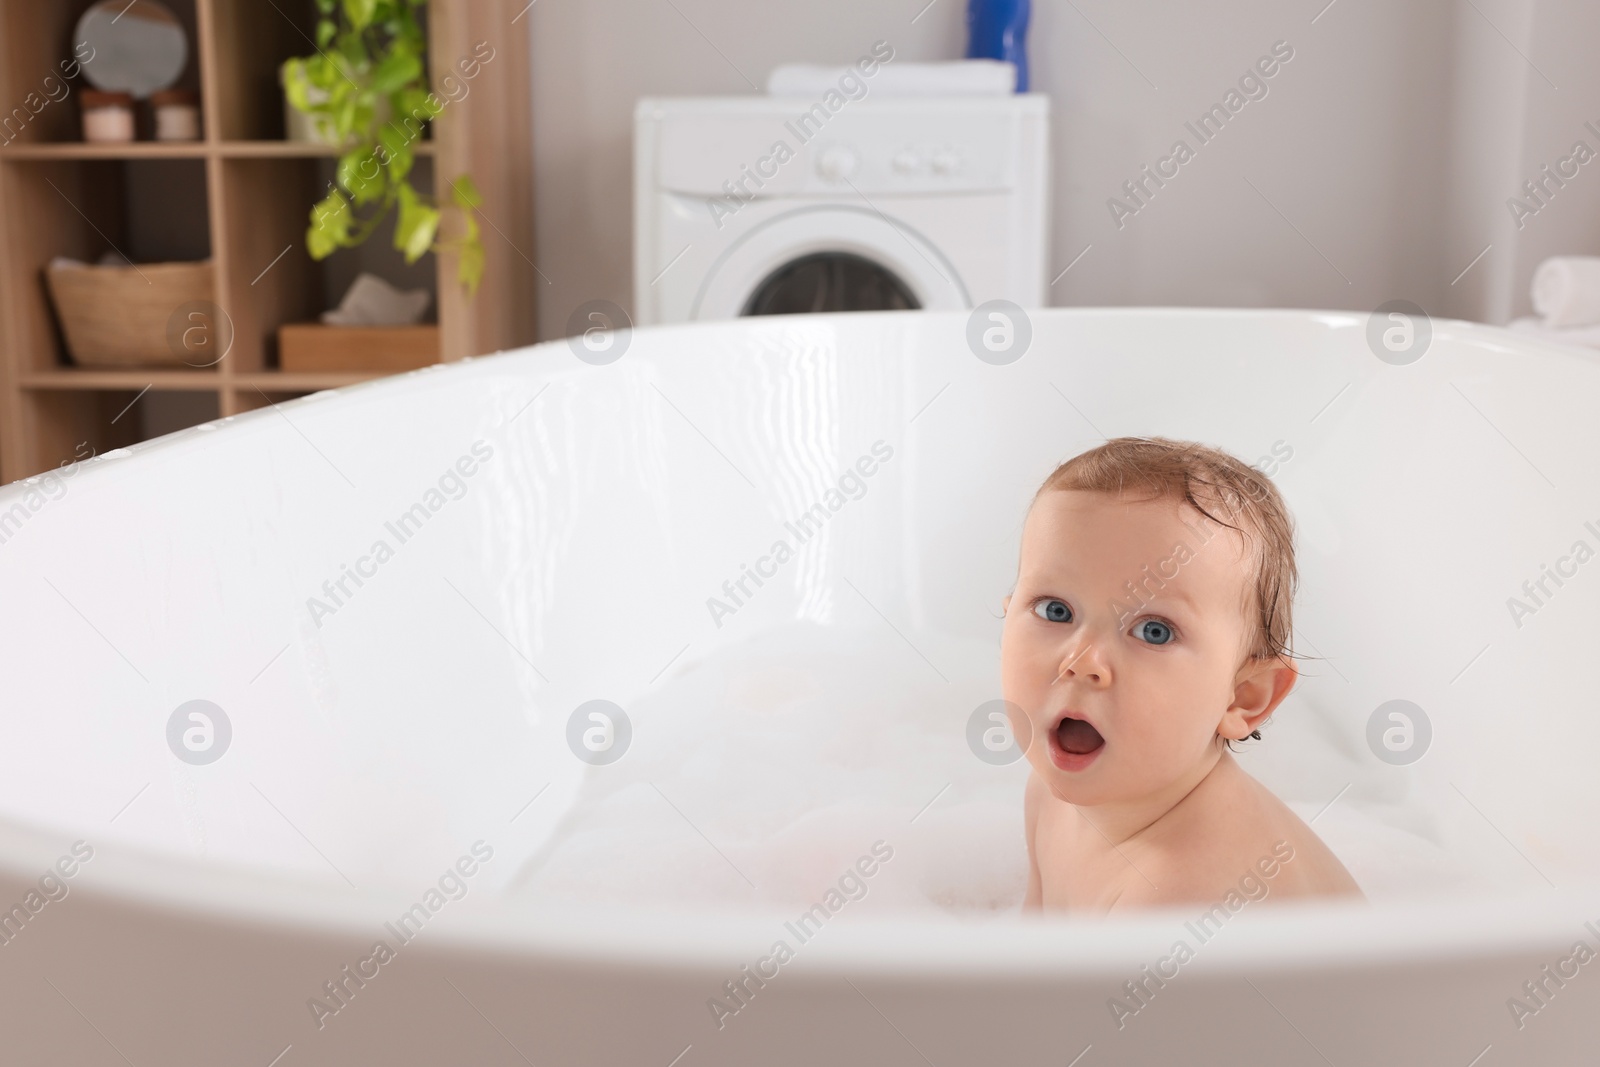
[[1153, 683]]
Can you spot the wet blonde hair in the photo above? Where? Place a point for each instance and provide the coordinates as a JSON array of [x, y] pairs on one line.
[[1210, 481]]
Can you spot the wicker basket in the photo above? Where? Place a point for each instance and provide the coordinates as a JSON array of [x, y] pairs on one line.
[[121, 316]]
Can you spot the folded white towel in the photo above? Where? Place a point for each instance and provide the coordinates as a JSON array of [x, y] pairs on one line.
[[1582, 336], [966, 77], [1566, 291]]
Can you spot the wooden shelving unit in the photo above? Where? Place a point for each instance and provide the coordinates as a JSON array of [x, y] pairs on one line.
[[242, 196]]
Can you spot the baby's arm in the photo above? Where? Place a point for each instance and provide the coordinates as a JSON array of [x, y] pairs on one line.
[[1034, 900]]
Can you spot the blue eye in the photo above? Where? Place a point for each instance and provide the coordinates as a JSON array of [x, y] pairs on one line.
[[1153, 631], [1053, 611]]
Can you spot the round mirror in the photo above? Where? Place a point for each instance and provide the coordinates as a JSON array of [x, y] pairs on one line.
[[139, 47], [830, 281]]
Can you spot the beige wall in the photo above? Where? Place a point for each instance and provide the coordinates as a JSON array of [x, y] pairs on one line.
[[1381, 156]]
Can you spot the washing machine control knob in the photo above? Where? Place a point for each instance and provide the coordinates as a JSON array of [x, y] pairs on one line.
[[836, 163], [905, 162], [946, 162]]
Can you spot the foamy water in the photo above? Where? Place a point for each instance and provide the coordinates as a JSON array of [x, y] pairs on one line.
[[759, 774]]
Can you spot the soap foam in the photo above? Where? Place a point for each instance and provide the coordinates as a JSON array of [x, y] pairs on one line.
[[790, 754], [762, 770]]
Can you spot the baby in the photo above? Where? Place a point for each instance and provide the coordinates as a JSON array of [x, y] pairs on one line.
[[1149, 628]]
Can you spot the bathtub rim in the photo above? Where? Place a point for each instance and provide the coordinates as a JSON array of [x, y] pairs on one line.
[[1292, 937], [99, 465]]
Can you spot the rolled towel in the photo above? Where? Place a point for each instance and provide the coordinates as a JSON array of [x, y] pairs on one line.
[[965, 77], [1566, 291]]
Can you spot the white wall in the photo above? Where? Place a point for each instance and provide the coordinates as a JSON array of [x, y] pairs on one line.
[[1562, 39], [1381, 157]]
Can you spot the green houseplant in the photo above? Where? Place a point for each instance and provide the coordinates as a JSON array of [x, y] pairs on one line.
[[366, 90]]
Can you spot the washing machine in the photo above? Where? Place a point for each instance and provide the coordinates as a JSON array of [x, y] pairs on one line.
[[763, 205]]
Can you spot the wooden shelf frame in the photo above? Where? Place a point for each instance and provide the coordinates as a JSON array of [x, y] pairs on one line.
[[60, 196], [185, 150], [68, 379]]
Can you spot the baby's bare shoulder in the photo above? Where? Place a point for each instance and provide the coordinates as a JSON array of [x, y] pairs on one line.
[[1308, 867], [1236, 837]]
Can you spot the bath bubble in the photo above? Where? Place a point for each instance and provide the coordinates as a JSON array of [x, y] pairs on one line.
[[598, 332], [785, 754], [1398, 732], [199, 732], [1399, 332], [793, 750], [200, 333], [990, 736], [599, 732], [999, 332]]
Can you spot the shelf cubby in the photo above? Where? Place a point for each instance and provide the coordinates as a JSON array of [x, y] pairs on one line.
[[37, 39], [242, 196]]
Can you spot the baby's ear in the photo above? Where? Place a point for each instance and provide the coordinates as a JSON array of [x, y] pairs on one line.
[[1259, 688]]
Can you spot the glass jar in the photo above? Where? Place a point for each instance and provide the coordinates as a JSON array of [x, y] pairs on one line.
[[177, 114], [107, 117]]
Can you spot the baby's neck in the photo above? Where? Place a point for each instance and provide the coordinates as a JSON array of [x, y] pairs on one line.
[[1121, 821]]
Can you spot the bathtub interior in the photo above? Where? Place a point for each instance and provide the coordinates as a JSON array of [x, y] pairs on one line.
[[576, 519]]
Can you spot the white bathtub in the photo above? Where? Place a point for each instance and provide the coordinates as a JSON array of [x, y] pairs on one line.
[[377, 738]]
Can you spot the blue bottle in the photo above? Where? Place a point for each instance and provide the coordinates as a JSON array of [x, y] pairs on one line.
[[998, 29]]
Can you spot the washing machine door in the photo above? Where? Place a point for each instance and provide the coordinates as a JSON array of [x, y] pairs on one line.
[[829, 257]]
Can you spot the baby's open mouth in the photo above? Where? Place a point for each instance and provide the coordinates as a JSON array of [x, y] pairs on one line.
[[1078, 737]]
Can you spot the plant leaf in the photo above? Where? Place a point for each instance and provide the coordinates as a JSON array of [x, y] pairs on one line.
[[295, 84], [359, 13], [344, 119], [408, 125], [321, 73], [330, 225], [360, 173], [397, 146], [466, 194], [417, 226], [469, 268], [398, 69]]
